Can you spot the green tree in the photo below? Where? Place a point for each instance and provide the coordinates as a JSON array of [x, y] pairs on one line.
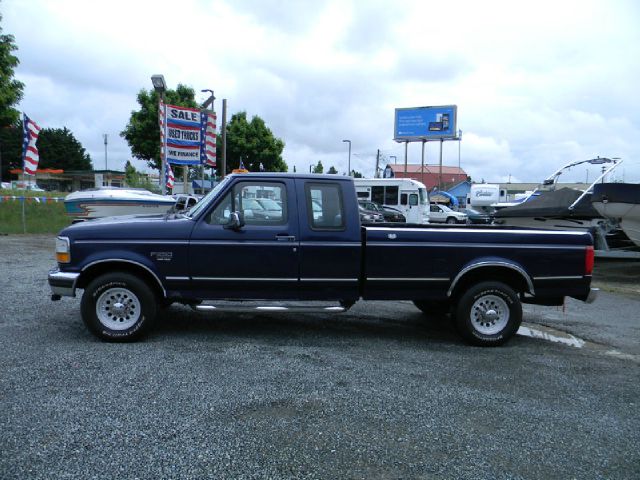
[[142, 133], [58, 148], [318, 168], [11, 90], [355, 174], [332, 170], [253, 142], [136, 179]]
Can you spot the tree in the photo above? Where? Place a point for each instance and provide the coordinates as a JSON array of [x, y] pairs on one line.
[[355, 174], [58, 148], [254, 143], [318, 168], [11, 90], [135, 179], [332, 170], [142, 133]]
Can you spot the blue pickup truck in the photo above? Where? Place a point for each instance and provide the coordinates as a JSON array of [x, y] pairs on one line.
[[281, 239]]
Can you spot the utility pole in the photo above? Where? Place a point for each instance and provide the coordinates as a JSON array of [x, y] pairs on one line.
[[377, 165], [105, 151]]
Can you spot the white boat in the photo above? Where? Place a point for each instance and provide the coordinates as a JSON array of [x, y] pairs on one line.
[[620, 202], [559, 209], [114, 201]]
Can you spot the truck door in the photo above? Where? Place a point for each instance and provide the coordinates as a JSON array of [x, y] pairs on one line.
[[257, 260]]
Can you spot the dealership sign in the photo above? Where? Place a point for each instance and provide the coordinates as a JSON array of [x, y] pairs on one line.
[[184, 135], [425, 123]]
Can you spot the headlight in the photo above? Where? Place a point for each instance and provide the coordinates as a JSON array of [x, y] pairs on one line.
[[63, 250]]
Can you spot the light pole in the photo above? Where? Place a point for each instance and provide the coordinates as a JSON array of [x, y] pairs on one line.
[[349, 164], [459, 142], [160, 86]]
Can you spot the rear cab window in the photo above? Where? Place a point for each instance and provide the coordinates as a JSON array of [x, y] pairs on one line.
[[325, 208]]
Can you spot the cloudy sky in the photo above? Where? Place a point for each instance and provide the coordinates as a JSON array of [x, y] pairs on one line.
[[537, 84]]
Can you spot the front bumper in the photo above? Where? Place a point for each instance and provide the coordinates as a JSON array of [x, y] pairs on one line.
[[63, 284]]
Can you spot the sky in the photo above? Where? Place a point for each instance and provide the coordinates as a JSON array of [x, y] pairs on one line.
[[536, 84]]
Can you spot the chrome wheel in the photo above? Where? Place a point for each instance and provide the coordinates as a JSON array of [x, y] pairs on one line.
[[118, 308], [489, 314]]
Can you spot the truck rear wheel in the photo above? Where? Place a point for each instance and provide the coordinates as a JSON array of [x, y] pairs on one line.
[[488, 314], [118, 307]]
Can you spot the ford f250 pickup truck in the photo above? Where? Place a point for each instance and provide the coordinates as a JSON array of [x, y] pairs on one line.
[[283, 239]]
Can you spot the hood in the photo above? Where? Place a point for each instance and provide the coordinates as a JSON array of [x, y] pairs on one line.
[[152, 227]]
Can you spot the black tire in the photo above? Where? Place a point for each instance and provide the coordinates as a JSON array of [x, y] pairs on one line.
[[118, 307], [433, 308], [451, 220], [488, 314]]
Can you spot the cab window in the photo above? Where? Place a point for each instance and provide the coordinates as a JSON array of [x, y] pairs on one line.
[[259, 203], [325, 209]]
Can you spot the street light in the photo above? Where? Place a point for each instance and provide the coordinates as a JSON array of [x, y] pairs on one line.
[[209, 100], [160, 87], [349, 165], [159, 84]]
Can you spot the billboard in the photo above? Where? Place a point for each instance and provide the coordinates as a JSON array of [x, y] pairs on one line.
[[425, 123]]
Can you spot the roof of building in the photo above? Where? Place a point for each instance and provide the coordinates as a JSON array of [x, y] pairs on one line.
[[435, 169]]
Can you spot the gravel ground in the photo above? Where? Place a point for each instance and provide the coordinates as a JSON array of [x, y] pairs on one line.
[[378, 392]]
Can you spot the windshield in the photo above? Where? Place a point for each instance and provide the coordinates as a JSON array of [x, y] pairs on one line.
[[422, 192], [445, 208], [207, 199]]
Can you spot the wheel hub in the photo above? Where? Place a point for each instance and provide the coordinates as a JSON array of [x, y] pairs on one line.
[[489, 314], [118, 308]]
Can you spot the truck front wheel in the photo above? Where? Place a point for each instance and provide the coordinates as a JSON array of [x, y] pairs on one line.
[[118, 307], [488, 314]]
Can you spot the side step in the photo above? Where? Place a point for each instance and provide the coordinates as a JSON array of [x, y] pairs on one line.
[[242, 307]]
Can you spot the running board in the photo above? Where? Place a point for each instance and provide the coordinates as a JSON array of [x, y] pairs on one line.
[[270, 309]]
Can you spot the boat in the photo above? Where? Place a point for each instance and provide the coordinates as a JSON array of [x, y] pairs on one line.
[[550, 207], [620, 202], [114, 201]]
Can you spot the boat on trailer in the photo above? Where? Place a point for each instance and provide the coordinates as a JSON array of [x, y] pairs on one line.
[[550, 207], [114, 201]]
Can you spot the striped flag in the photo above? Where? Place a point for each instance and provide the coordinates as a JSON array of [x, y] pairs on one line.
[[169, 179], [210, 141], [30, 157]]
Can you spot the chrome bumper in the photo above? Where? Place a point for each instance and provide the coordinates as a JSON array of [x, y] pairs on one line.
[[62, 283], [593, 294]]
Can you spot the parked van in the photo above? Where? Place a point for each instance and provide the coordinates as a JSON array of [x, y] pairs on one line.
[[408, 196]]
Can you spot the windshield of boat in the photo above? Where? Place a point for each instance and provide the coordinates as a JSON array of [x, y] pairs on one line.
[[206, 200]]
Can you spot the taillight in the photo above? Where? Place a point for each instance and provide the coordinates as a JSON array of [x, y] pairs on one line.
[[588, 260]]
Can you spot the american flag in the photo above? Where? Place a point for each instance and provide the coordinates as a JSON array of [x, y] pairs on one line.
[[169, 176], [210, 140], [30, 157]]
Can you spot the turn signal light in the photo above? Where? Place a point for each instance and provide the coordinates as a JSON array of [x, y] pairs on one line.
[[589, 260], [63, 257]]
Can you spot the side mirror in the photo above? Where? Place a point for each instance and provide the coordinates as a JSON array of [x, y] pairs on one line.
[[236, 221]]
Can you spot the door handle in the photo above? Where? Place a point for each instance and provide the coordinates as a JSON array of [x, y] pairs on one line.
[[283, 237]]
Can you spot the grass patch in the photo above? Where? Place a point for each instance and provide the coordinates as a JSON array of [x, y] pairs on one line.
[[39, 217]]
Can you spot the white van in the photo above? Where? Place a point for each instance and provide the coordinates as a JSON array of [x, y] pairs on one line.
[[408, 196]]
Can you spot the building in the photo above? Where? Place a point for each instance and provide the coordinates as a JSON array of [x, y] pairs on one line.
[[429, 175], [71, 180]]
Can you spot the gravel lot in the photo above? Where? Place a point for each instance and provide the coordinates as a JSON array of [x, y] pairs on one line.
[[378, 392]]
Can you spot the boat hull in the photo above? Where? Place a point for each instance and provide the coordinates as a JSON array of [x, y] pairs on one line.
[[620, 202], [99, 204]]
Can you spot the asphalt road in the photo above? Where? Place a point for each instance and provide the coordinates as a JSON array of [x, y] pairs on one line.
[[378, 392]]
